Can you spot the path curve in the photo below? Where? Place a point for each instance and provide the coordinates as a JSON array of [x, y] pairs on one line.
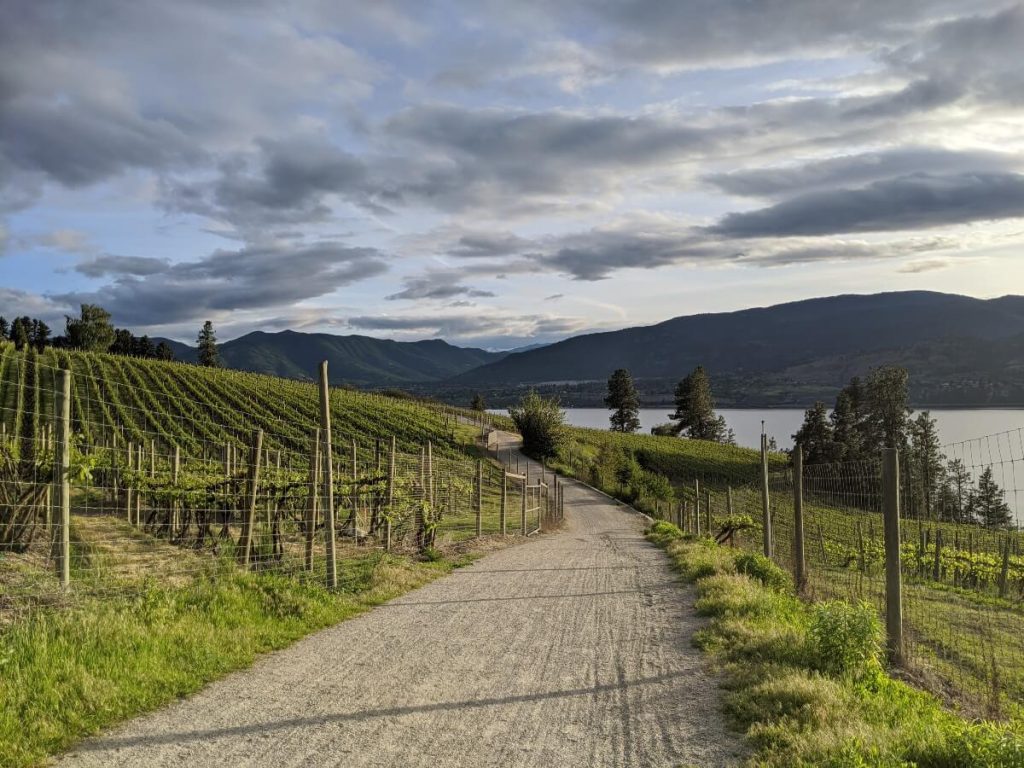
[[573, 649]]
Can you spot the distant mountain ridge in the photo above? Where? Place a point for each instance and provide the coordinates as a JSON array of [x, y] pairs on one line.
[[766, 340], [354, 360]]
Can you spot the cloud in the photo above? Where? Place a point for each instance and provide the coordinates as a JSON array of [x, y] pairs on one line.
[[912, 202], [16, 303], [256, 277], [110, 264], [850, 170], [926, 265], [437, 285], [496, 329]]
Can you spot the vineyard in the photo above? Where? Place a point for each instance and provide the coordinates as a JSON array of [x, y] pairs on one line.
[[176, 471], [963, 584]]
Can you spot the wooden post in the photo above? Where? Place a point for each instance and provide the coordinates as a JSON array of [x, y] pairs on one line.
[[328, 477], [893, 577], [799, 561], [479, 497], [526, 485], [937, 564], [503, 515], [391, 496], [62, 417], [314, 463], [127, 486], [245, 545], [766, 515], [138, 494], [696, 507], [175, 504], [1004, 572], [707, 493]]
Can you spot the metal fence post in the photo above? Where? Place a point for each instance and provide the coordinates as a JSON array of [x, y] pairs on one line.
[[893, 577]]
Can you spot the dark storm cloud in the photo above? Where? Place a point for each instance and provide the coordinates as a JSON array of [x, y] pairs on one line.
[[110, 264], [249, 278], [911, 202]]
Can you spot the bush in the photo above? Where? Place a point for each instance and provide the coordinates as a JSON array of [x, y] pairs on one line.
[[661, 533], [761, 568], [845, 638], [541, 422]]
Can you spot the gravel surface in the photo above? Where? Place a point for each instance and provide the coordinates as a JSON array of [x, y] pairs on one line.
[[572, 649]]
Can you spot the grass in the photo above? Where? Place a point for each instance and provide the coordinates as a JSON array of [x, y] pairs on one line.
[[66, 674], [805, 682]]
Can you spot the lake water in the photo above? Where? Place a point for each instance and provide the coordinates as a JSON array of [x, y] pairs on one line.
[[955, 425]]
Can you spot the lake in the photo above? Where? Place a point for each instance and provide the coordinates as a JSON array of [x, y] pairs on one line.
[[955, 425]]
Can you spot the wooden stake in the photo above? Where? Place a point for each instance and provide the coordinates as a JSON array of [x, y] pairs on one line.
[[328, 475], [62, 417], [893, 576], [245, 544]]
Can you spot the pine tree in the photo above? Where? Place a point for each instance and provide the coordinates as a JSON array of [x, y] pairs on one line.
[[5, 328], [695, 409], [209, 355], [988, 503], [478, 403], [887, 410], [815, 435], [955, 493], [623, 401], [164, 351], [21, 330], [926, 462], [848, 422]]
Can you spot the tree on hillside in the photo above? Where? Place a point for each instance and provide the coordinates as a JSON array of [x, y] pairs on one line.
[[695, 409], [164, 351], [21, 332], [91, 331], [887, 408], [478, 403], [925, 462], [988, 503], [848, 422], [5, 328], [623, 401], [955, 493], [541, 422], [815, 435], [209, 355]]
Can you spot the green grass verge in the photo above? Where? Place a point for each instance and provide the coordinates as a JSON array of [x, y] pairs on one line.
[[805, 682], [67, 674]]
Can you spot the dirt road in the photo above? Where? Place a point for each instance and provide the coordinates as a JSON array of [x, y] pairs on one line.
[[570, 650]]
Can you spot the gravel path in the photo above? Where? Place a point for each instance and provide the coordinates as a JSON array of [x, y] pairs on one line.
[[570, 650]]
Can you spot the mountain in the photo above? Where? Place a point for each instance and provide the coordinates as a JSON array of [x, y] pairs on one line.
[[354, 360], [818, 343]]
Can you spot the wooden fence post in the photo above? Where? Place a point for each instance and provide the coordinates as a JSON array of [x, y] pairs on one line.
[[175, 503], [327, 457], [893, 577], [526, 485], [314, 463], [799, 561], [766, 515], [245, 545], [62, 416], [479, 497], [707, 493], [503, 515], [937, 564], [127, 486], [696, 505], [1004, 572], [391, 495], [138, 493]]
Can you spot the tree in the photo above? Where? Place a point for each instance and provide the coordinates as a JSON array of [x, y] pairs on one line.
[[143, 347], [123, 342], [478, 403], [926, 461], [695, 409], [848, 422], [815, 435], [541, 422], [887, 409], [5, 328], [988, 503], [623, 401], [21, 330], [39, 335], [209, 355], [164, 351], [955, 493], [91, 331]]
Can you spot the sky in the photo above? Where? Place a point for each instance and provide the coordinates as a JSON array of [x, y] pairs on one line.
[[501, 173]]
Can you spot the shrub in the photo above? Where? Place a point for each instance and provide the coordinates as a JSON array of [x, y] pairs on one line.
[[541, 422], [662, 532], [761, 568], [845, 638]]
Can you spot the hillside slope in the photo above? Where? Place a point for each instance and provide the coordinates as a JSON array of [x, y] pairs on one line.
[[766, 340], [356, 360]]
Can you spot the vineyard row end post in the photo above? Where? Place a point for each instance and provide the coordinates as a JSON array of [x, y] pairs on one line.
[[326, 455], [766, 515], [893, 577], [250, 513], [799, 560], [62, 415]]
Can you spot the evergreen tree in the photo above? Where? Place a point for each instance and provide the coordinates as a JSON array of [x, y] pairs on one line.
[[21, 330], [988, 503], [143, 347], [164, 351], [39, 336], [623, 401], [815, 435], [926, 462], [478, 403], [887, 409], [955, 493], [123, 342], [91, 331], [5, 328], [209, 355], [695, 409], [848, 422]]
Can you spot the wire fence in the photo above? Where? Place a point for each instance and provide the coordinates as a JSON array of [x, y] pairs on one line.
[[959, 555], [109, 485]]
